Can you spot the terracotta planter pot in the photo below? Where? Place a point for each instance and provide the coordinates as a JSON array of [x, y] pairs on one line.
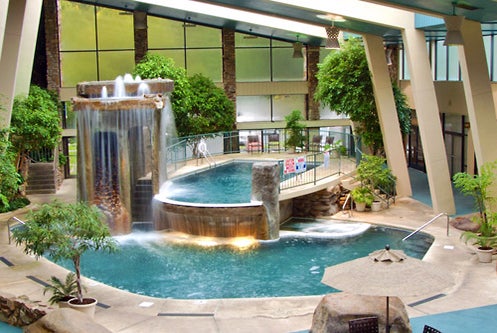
[[87, 306]]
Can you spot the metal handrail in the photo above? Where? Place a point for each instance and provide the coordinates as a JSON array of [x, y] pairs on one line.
[[428, 223], [18, 220]]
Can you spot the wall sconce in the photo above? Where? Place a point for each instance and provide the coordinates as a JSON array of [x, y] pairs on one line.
[[453, 24], [332, 40], [297, 49]]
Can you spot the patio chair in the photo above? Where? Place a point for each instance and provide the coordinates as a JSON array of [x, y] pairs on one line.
[[364, 325], [316, 143], [429, 329], [329, 140], [253, 144], [273, 141]]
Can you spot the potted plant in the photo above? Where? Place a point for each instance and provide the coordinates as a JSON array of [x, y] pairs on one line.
[[65, 231], [478, 186], [362, 196], [294, 127], [62, 290]]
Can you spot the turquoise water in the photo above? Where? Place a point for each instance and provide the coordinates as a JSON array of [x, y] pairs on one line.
[[229, 183], [293, 266], [6, 328]]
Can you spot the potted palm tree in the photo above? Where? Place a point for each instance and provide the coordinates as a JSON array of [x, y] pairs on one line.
[[65, 231], [294, 127], [478, 186], [62, 290]]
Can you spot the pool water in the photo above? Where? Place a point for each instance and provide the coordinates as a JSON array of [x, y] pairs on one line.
[[229, 183], [292, 266], [6, 328]]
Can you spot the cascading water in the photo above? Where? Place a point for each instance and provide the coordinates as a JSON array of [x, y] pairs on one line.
[[118, 143]]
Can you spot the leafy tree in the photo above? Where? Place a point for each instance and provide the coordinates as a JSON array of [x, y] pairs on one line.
[[199, 106], [9, 178], [65, 231], [344, 84], [295, 126], [154, 66], [35, 122], [210, 109]]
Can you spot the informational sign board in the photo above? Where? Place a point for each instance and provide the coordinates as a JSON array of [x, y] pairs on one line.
[[295, 165]]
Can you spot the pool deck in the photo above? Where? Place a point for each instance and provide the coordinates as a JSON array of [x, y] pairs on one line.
[[120, 311]]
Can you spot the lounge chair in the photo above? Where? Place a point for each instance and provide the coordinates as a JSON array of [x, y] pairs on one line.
[[364, 325]]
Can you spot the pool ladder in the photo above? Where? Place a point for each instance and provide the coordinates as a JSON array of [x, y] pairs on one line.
[[428, 223], [202, 148], [17, 220]]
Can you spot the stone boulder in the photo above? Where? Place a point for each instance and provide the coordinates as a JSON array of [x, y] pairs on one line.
[[464, 223], [333, 313], [65, 320]]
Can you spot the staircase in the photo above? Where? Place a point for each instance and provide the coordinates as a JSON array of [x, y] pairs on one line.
[[141, 204], [41, 178]]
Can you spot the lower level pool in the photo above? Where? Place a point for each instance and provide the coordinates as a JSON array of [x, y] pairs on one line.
[[291, 266]]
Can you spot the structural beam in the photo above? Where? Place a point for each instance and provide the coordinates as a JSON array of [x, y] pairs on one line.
[[387, 112], [430, 129], [19, 43], [479, 99]]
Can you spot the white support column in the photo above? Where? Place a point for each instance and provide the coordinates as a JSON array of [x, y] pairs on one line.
[[478, 93], [16, 61], [387, 112], [430, 129], [4, 5]]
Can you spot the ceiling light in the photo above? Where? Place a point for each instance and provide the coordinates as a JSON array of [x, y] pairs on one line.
[[297, 49], [332, 40]]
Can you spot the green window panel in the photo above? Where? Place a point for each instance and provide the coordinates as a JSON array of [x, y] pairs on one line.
[[115, 63], [115, 31], [178, 56], [287, 68], [252, 65], [201, 37], [78, 67], [207, 62], [77, 26], [164, 33]]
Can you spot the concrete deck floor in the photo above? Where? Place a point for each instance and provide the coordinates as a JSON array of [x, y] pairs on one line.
[[120, 311]]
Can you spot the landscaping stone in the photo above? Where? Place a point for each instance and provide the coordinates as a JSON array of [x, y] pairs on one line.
[[335, 310]]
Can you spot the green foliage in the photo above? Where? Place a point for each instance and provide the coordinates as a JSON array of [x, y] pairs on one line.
[[199, 106], [344, 84], [10, 179], [479, 187], [362, 194], [62, 290], [35, 121], [373, 172], [154, 66], [210, 110], [295, 127], [65, 231]]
